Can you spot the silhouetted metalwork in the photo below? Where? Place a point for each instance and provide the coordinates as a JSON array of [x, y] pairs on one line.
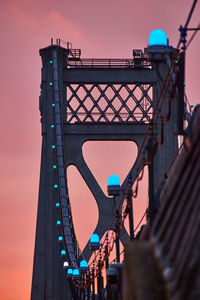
[[109, 103], [95, 100]]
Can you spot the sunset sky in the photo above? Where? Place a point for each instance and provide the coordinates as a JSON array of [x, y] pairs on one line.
[[102, 29]]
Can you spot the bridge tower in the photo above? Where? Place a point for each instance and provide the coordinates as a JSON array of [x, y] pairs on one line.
[[98, 100]]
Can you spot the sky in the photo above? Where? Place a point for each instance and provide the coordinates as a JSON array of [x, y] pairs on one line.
[[102, 29]]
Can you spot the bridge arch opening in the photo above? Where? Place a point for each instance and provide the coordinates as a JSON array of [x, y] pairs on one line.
[[109, 157], [84, 207]]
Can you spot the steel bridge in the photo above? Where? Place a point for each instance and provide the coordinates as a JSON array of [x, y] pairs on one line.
[[81, 100]]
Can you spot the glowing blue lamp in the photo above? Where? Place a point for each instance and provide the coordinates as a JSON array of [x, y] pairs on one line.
[[63, 252], [52, 126], [53, 146], [113, 185], [157, 38], [60, 238], [58, 222], [54, 166], [113, 180], [94, 238], [69, 272], [94, 242], [57, 204], [55, 186], [84, 266], [76, 273]]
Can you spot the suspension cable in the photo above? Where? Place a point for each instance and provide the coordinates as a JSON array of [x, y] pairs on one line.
[[192, 37], [184, 29]]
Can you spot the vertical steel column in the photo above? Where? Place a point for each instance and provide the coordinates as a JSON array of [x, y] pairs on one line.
[[49, 280], [164, 134], [130, 214]]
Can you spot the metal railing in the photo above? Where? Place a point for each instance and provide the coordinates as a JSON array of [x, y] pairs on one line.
[[108, 63]]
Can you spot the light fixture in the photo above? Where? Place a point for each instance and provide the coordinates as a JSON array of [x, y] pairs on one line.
[[63, 252], [94, 242], [84, 265], [65, 265], [114, 185], [76, 273], [157, 38], [69, 272]]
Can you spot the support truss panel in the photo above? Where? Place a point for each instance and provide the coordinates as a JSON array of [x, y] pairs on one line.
[[109, 103]]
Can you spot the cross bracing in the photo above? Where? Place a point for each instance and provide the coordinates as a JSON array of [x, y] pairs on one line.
[[109, 103]]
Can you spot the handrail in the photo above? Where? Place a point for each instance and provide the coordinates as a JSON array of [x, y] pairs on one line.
[[108, 63]]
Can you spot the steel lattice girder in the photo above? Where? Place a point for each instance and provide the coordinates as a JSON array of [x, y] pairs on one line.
[[109, 103]]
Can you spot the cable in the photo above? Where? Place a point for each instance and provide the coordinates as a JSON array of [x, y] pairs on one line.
[[184, 29], [192, 37], [190, 14], [168, 168], [140, 221]]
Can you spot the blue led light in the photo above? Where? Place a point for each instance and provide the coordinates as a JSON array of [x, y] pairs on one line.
[[113, 180], [52, 126], [69, 272], [57, 204], [55, 186], [60, 238], [158, 38], [83, 264], [54, 166], [94, 242], [191, 105], [94, 238], [63, 252], [58, 222], [76, 272], [51, 61], [53, 146], [50, 83], [53, 104]]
